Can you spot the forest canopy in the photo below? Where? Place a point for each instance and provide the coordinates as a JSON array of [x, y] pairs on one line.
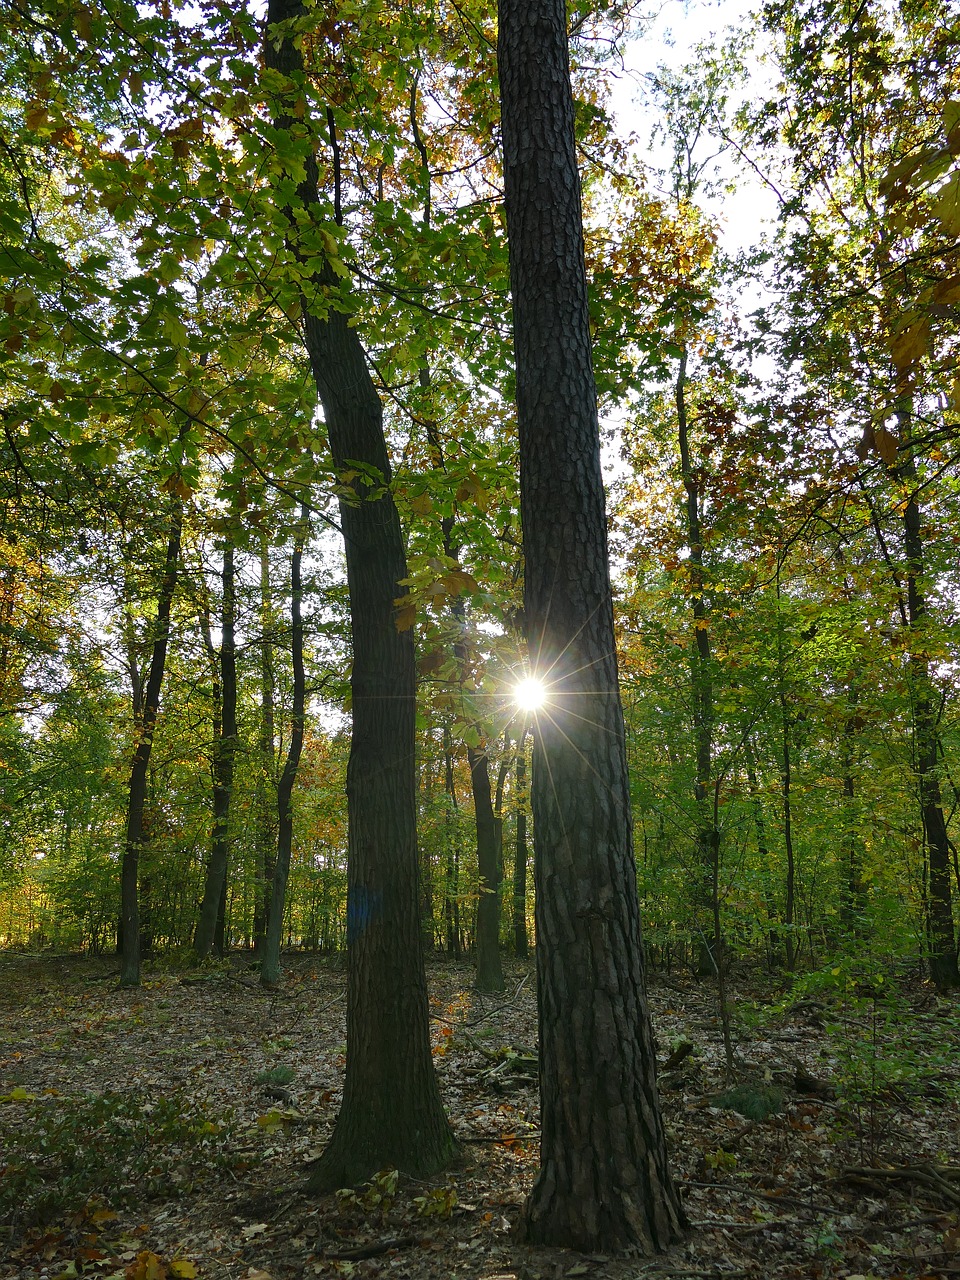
[[781, 440]]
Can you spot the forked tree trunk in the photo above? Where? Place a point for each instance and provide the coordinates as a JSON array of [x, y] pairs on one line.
[[133, 844], [603, 1183], [391, 1114]]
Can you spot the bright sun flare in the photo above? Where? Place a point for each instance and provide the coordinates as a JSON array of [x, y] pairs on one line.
[[530, 694]]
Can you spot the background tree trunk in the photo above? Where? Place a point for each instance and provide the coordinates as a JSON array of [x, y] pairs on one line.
[[520, 850], [212, 908], [265, 839], [603, 1181], [133, 843], [270, 964], [489, 968]]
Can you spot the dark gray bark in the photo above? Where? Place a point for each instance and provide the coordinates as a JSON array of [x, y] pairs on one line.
[[454, 944], [489, 968], [942, 937], [391, 1113], [520, 850], [149, 709], [224, 666], [270, 963], [265, 839], [706, 873], [603, 1181]]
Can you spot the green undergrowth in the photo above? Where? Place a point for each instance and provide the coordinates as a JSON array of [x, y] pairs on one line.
[[890, 1038], [58, 1152], [753, 1101]]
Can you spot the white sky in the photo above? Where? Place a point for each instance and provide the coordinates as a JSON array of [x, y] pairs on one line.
[[670, 41]]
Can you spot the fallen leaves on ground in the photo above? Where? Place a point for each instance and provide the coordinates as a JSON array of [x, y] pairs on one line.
[[805, 1181]]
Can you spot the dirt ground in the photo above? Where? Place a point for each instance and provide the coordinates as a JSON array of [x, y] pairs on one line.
[[849, 1167]]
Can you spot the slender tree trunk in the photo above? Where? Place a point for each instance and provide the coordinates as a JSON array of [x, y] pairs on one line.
[[942, 938], [489, 968], [452, 900], [774, 955], [391, 1113], [133, 843], [786, 796], [942, 942], [212, 908], [520, 850], [270, 965], [707, 856], [265, 839], [603, 1181], [853, 901]]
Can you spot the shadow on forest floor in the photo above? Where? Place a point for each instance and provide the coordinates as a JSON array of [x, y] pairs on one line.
[[164, 1132]]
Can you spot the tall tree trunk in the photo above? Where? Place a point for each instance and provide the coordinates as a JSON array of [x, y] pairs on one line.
[[603, 1181], [270, 964], [391, 1113], [212, 908], [707, 841], [942, 939], [786, 795], [942, 942], [853, 895], [452, 899], [265, 838], [774, 956], [489, 968], [520, 850], [134, 839]]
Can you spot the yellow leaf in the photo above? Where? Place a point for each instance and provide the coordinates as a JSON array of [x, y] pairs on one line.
[[147, 1266], [184, 1268], [885, 443], [18, 1095], [422, 504], [81, 20], [36, 117], [406, 617], [948, 290], [458, 581], [946, 206], [910, 344]]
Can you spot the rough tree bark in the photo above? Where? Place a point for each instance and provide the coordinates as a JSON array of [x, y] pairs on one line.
[[603, 1181], [391, 1113]]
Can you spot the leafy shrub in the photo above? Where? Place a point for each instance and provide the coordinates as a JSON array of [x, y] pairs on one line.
[[755, 1102], [58, 1151], [276, 1075]]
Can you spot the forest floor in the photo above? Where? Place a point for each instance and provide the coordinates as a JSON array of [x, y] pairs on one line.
[[164, 1133]]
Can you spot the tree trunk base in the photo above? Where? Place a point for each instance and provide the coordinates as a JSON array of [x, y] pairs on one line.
[[628, 1216], [357, 1151]]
